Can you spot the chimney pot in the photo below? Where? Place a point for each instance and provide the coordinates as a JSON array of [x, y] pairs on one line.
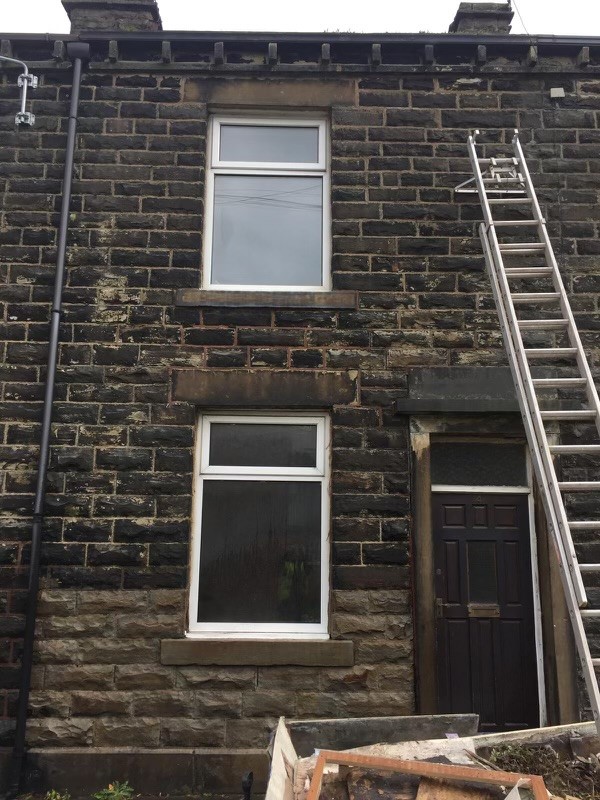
[[482, 18], [113, 15]]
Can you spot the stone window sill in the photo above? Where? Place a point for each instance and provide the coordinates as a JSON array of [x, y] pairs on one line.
[[253, 299], [224, 652]]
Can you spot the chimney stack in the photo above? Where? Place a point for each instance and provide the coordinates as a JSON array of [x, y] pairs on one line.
[[482, 18], [113, 15]]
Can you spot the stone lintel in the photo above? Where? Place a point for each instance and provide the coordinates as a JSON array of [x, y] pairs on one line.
[[459, 390], [279, 92], [218, 298], [223, 652], [259, 388]]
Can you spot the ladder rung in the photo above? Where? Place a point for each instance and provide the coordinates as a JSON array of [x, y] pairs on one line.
[[513, 201], [524, 251], [550, 352], [568, 415], [585, 525], [502, 160], [508, 223], [574, 450], [527, 272], [589, 567], [558, 383], [591, 612], [520, 245], [579, 486], [544, 324], [535, 297]]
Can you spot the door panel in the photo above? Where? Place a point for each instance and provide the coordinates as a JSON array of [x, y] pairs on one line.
[[484, 609]]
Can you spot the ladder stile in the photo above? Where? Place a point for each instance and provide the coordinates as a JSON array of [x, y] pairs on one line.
[[552, 490]]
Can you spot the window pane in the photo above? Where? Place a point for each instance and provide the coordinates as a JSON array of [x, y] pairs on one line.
[[483, 581], [268, 230], [478, 464], [260, 558], [270, 143], [248, 445]]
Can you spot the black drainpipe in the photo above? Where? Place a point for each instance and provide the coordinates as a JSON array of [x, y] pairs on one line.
[[78, 53]]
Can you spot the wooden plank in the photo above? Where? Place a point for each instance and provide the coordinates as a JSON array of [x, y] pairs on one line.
[[424, 769]]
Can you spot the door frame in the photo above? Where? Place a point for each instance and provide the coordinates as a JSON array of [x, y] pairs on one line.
[[422, 431]]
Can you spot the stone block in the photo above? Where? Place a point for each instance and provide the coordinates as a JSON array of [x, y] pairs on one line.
[[92, 602], [143, 676], [215, 678], [249, 732], [141, 732], [69, 676], [192, 733], [95, 704], [59, 732], [163, 704], [148, 626], [274, 702]]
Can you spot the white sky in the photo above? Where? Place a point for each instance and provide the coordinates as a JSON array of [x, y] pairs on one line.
[[403, 16]]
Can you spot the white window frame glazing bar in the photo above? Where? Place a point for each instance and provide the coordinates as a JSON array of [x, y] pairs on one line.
[[267, 169], [203, 630]]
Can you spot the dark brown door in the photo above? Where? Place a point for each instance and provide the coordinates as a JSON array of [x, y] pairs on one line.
[[484, 609]]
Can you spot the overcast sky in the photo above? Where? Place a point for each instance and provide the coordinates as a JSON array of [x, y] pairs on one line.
[[540, 16]]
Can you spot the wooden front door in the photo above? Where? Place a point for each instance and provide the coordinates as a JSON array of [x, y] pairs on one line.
[[485, 640]]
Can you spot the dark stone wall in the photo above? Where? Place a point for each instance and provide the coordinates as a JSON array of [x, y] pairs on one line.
[[117, 531]]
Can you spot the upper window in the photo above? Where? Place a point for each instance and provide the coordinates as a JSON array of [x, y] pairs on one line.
[[260, 559], [267, 211]]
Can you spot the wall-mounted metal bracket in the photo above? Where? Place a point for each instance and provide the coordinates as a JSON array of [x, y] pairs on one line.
[[29, 79], [24, 80]]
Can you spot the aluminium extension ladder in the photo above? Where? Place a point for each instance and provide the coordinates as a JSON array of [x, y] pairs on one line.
[[538, 329]]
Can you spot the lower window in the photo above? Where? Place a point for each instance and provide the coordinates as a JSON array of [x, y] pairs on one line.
[[261, 520]]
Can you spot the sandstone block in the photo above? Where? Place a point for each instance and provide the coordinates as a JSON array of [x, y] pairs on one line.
[[249, 732], [59, 732], [126, 733], [56, 602], [92, 704], [148, 626], [219, 704], [372, 651], [91, 602], [355, 679], [89, 677], [192, 733], [165, 600], [353, 602], [286, 677], [144, 676], [218, 678], [163, 704], [49, 704], [273, 703], [358, 623], [85, 625]]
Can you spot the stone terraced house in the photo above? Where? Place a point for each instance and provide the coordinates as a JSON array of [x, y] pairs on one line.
[[287, 474]]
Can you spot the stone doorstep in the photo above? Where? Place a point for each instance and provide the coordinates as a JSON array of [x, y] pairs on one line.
[[82, 771]]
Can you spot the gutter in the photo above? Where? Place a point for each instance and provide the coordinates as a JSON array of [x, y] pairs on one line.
[[78, 52], [314, 38]]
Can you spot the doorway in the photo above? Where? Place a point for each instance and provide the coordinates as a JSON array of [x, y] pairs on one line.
[[485, 633]]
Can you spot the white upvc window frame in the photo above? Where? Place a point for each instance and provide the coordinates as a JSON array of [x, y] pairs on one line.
[[204, 471], [216, 166]]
